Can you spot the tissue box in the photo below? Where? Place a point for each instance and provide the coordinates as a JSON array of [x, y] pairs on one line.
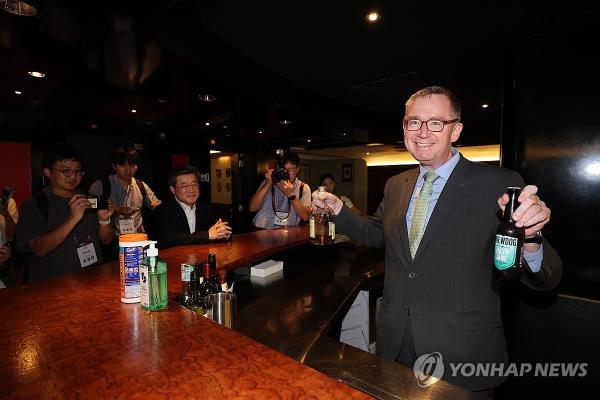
[[266, 268]]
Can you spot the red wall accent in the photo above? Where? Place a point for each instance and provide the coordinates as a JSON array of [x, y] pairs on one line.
[[15, 169], [180, 160]]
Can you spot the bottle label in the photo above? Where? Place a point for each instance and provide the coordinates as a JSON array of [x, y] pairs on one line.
[[186, 270], [505, 252], [332, 230], [312, 227], [144, 287]]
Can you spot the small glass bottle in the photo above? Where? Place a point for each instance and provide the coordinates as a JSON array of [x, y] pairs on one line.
[[208, 286], [223, 282], [153, 280], [212, 260], [322, 224], [186, 282], [508, 250]]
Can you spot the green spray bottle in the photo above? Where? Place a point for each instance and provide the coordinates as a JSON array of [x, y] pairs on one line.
[[153, 280]]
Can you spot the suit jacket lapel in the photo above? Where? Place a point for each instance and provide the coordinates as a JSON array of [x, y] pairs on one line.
[[405, 194], [453, 191]]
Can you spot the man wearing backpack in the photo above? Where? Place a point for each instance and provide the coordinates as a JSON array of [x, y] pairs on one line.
[[58, 230], [129, 194]]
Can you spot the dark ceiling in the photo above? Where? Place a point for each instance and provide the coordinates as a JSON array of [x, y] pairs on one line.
[[340, 80]]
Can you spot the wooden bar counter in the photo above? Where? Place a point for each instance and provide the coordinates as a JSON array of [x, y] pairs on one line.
[[71, 337]]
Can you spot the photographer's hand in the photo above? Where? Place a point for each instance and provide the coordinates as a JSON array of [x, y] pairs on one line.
[[286, 187], [268, 179]]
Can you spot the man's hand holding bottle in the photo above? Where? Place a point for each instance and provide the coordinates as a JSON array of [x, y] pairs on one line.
[[327, 200]]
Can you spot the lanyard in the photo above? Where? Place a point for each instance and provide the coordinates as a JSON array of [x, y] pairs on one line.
[[127, 194]]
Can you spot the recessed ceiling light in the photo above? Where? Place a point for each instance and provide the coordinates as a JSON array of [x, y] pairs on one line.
[[206, 97], [373, 17], [285, 122], [308, 140], [484, 105], [18, 92], [214, 151], [207, 123], [213, 141], [374, 144], [225, 126], [162, 101], [368, 153], [93, 126], [162, 135], [133, 110], [260, 132], [36, 74]]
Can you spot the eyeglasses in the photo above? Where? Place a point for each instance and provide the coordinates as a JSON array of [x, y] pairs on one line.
[[433, 125], [67, 173], [189, 187]]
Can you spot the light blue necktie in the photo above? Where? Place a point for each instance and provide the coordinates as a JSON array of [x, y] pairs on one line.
[[417, 226]]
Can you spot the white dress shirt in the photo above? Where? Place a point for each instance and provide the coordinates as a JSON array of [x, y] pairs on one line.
[[190, 214]]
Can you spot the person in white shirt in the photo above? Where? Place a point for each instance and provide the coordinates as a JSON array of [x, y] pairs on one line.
[[328, 181], [184, 219], [283, 203]]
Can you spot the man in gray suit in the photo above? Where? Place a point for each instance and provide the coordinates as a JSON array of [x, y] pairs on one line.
[[440, 291]]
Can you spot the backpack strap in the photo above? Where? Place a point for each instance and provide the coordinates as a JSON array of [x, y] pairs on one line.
[[301, 190], [42, 203], [142, 187], [106, 188]]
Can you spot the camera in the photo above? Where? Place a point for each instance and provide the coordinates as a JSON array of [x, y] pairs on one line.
[[280, 174]]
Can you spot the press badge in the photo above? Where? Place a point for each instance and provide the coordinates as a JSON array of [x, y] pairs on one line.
[[281, 221], [87, 255], [126, 226]]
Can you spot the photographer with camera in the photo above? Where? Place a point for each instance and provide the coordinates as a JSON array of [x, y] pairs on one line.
[[58, 230], [282, 199], [9, 216]]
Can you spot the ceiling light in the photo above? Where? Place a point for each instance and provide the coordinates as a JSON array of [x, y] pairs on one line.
[[206, 97], [484, 106], [133, 110], [36, 74], [308, 140], [214, 151], [213, 141], [260, 132], [373, 16], [368, 153], [207, 123], [18, 7], [162, 101], [374, 144], [593, 168], [93, 126], [162, 135], [285, 122], [18, 92]]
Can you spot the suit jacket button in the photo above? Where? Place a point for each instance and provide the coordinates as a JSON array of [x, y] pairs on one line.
[[412, 275]]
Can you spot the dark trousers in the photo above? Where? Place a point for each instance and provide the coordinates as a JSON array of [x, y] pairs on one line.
[[407, 356]]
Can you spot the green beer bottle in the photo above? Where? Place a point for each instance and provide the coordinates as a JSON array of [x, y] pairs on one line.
[[508, 251]]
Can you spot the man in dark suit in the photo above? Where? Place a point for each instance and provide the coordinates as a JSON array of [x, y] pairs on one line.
[[440, 291], [184, 219]]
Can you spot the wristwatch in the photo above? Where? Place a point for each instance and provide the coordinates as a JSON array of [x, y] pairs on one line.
[[535, 239], [292, 197]]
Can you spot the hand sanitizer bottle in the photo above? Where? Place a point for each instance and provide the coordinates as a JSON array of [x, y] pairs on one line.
[[153, 280]]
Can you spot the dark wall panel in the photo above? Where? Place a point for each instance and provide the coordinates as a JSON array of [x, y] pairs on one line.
[[551, 134]]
